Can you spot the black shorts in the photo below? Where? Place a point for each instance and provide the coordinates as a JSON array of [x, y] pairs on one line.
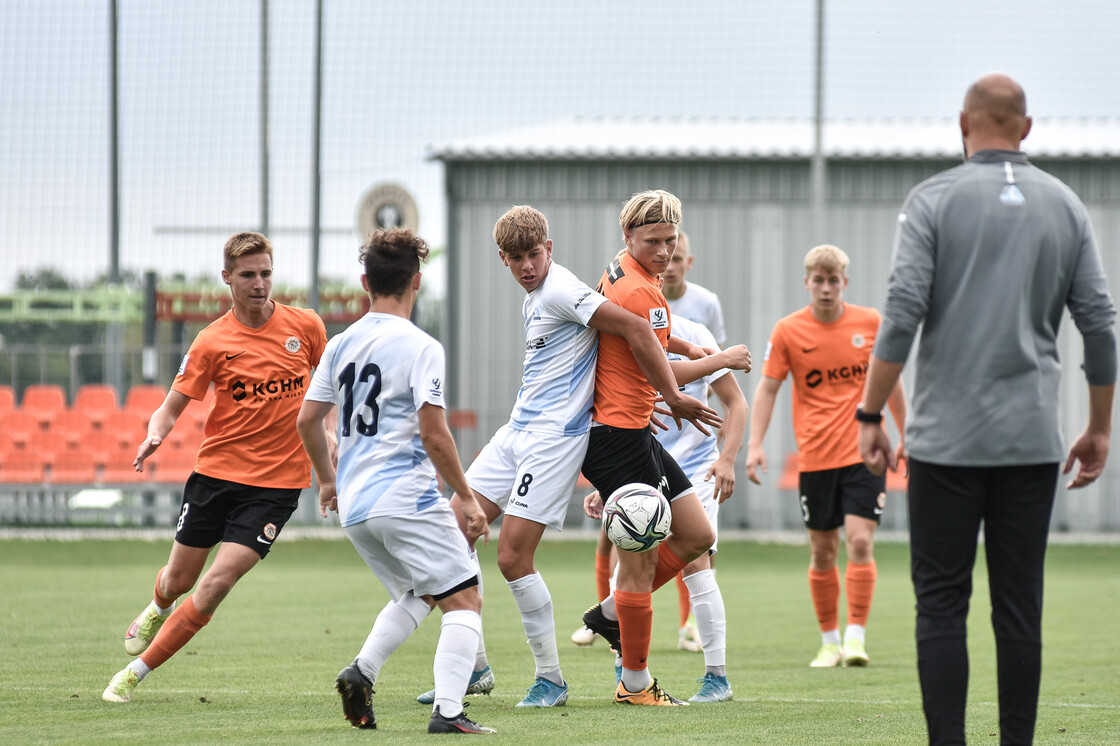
[[216, 510], [829, 495], [617, 456]]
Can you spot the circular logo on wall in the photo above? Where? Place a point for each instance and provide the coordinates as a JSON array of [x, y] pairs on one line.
[[386, 206]]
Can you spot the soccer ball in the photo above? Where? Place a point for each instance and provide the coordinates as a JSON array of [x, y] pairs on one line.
[[637, 517]]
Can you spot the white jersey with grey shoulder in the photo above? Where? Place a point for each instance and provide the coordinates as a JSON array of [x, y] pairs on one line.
[[690, 448], [379, 373], [558, 382], [701, 305]]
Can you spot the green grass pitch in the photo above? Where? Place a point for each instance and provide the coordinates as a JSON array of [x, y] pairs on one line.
[[263, 671]]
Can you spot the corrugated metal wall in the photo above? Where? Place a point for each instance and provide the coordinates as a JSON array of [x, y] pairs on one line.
[[750, 226]]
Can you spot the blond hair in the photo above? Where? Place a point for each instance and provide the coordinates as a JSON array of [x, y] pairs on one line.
[[828, 259], [521, 229], [245, 244], [646, 208]]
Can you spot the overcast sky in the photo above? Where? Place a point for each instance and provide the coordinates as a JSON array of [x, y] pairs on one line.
[[400, 75]]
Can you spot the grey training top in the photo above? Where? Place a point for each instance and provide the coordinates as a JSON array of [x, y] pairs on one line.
[[986, 256]]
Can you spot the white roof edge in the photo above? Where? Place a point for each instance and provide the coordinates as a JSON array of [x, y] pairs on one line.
[[716, 138]]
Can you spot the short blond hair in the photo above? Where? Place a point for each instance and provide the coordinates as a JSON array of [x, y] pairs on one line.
[[245, 244], [646, 208], [828, 259], [521, 229]]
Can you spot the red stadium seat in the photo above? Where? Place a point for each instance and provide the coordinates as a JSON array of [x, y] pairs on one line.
[[144, 398], [115, 466], [21, 467], [72, 427], [7, 398], [96, 400], [171, 465], [125, 427], [43, 400], [19, 425], [73, 467]]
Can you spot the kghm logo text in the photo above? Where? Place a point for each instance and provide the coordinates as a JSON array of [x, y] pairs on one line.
[[268, 390], [845, 374]]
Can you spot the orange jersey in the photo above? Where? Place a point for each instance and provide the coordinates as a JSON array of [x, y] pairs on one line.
[[259, 378], [623, 396], [829, 364]]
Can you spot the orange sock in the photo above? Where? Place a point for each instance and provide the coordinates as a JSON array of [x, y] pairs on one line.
[[161, 600], [682, 599], [602, 575], [176, 632], [859, 582], [824, 588], [668, 565], [635, 622]]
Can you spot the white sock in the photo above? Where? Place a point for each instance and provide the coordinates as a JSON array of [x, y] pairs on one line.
[[480, 661], [636, 681], [832, 637], [609, 610], [162, 611], [393, 625], [854, 632], [711, 618], [535, 604], [453, 662], [140, 668]]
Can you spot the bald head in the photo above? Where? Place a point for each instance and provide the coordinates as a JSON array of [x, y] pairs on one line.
[[994, 114]]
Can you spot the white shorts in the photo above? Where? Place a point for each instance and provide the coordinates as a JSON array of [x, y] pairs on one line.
[[423, 552], [706, 491], [529, 475]]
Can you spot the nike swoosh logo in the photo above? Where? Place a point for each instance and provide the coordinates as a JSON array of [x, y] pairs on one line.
[[262, 540], [231, 357], [803, 349]]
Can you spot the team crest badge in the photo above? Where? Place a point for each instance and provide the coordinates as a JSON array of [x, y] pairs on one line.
[[292, 345], [269, 531], [858, 341]]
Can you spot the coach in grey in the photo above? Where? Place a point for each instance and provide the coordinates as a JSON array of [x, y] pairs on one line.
[[986, 256]]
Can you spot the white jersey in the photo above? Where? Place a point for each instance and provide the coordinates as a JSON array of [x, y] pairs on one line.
[[558, 383], [690, 448], [702, 306], [379, 373]]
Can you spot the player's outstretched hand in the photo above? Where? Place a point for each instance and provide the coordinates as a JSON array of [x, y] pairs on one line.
[[738, 357], [328, 498], [593, 505], [147, 448], [473, 520], [1091, 449], [875, 449], [756, 458], [685, 407]]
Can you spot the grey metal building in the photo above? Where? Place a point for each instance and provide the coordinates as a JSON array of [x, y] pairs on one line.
[[748, 210]]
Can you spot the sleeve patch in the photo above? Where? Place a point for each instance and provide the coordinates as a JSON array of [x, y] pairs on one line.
[[659, 318]]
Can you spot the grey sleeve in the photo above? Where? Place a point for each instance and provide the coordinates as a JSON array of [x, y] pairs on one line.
[[1093, 311], [910, 283]]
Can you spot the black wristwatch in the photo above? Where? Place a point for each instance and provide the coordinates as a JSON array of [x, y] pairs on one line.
[[873, 418]]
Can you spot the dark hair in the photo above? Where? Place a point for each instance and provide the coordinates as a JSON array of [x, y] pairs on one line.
[[391, 258]]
